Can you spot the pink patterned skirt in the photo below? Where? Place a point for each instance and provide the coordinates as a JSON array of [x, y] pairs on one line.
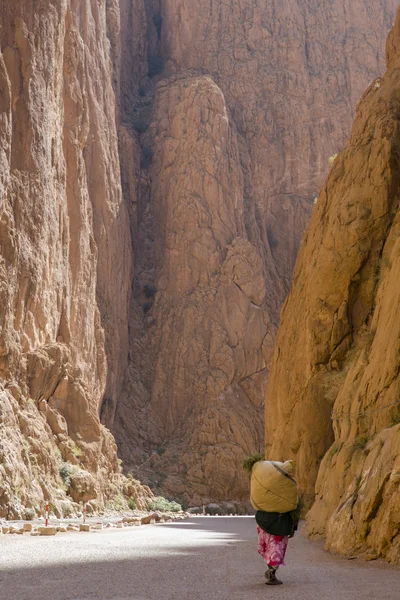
[[272, 547]]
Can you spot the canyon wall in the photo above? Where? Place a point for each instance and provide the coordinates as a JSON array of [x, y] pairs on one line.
[[230, 112], [65, 255], [333, 394], [159, 161]]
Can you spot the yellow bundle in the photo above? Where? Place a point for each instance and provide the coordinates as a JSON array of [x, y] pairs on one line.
[[273, 488]]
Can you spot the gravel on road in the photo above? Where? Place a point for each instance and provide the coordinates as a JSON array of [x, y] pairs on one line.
[[205, 558]]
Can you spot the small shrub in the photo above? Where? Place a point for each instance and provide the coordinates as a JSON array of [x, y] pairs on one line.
[[333, 451], [251, 460], [29, 514], [146, 157], [155, 65], [76, 451], [164, 505], [149, 290], [361, 442], [142, 92], [140, 126], [65, 471], [356, 490], [160, 450], [132, 504]]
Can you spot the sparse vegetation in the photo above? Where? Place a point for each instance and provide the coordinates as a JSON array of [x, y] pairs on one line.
[[251, 460], [356, 490], [65, 471], [76, 451], [163, 505], [132, 504], [29, 514], [141, 91], [155, 65], [334, 449], [361, 442], [160, 450]]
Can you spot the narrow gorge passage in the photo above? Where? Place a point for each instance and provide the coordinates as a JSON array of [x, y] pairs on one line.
[[211, 558], [168, 247]]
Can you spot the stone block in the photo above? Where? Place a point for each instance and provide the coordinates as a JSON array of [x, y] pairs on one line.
[[47, 531]]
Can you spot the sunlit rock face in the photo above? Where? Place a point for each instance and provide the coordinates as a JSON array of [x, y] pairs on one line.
[[65, 251], [334, 387], [230, 112]]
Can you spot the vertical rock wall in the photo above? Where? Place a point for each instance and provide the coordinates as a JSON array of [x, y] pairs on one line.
[[334, 389], [65, 252], [234, 117]]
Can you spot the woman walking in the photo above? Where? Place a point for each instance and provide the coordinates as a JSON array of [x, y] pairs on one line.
[[275, 498]]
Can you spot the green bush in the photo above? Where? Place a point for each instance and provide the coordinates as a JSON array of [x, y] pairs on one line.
[[65, 471], [132, 504], [361, 442], [251, 460], [164, 505]]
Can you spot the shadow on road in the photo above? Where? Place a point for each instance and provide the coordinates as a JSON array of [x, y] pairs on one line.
[[204, 559]]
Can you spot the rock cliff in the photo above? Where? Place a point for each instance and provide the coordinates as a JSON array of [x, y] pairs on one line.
[[333, 401], [64, 251], [237, 108], [159, 160]]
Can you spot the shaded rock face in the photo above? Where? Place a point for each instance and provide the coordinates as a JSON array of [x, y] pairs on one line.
[[65, 256], [336, 399], [230, 112]]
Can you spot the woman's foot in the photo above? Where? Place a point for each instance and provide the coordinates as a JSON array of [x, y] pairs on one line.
[[270, 576]]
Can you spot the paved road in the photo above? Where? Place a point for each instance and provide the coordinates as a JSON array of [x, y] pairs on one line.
[[209, 558]]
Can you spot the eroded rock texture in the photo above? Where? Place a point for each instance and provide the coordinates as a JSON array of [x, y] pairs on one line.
[[249, 101], [65, 256], [334, 387]]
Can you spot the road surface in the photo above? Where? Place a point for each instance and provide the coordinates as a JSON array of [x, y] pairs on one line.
[[206, 558]]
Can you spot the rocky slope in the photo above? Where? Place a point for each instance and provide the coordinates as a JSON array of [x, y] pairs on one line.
[[244, 104], [337, 398], [64, 250]]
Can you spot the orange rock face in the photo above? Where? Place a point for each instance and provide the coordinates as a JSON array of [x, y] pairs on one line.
[[334, 387], [64, 250], [249, 101]]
